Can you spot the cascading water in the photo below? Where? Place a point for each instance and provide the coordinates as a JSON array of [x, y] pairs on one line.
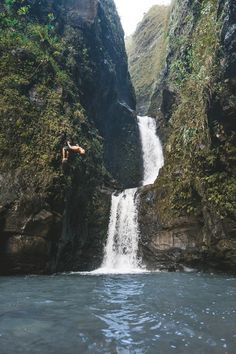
[[122, 242], [123, 232], [152, 150]]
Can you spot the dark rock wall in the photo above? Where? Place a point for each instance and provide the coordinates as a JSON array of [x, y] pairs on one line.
[[189, 215], [63, 77], [109, 99]]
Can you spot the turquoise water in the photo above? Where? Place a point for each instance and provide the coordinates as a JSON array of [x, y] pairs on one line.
[[140, 313]]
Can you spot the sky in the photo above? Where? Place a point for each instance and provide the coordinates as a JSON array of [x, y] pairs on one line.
[[131, 12]]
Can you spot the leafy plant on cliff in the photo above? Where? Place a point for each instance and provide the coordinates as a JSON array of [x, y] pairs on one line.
[[146, 52], [196, 167], [39, 106]]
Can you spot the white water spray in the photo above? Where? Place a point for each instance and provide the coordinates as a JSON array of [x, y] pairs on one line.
[[123, 232], [122, 246], [152, 150]]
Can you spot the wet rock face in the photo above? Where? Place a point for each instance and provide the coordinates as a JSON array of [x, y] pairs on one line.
[[110, 100], [84, 233], [226, 102], [171, 244], [228, 39], [29, 230], [175, 243], [80, 11], [27, 239]]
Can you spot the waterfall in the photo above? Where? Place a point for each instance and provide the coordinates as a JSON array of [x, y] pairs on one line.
[[123, 231], [122, 246], [152, 150]]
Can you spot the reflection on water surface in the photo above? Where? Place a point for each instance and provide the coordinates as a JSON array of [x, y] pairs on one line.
[[139, 313]]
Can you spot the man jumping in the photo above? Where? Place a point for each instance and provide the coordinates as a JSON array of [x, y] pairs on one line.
[[66, 151]]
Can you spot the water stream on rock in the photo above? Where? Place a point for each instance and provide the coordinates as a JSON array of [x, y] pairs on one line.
[[123, 232]]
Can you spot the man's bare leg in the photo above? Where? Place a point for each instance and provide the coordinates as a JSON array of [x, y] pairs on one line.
[[65, 155]]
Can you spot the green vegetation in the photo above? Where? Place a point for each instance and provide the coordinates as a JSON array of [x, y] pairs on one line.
[[198, 152], [40, 104], [146, 52]]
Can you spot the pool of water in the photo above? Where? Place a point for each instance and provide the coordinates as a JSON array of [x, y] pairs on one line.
[[138, 313]]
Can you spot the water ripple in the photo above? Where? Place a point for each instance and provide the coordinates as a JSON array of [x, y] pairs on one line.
[[140, 314]]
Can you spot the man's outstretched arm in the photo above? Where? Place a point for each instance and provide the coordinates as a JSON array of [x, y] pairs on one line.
[[76, 148]]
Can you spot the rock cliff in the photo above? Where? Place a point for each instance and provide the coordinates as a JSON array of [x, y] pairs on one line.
[[63, 76], [189, 216], [146, 54]]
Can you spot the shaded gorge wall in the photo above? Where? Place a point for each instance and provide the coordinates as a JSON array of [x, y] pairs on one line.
[[63, 77], [189, 215]]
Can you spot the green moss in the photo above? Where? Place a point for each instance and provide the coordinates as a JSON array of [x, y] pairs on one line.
[[196, 169], [146, 52], [39, 106]]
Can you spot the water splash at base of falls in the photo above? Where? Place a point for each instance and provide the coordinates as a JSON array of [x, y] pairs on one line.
[[122, 241], [121, 251]]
